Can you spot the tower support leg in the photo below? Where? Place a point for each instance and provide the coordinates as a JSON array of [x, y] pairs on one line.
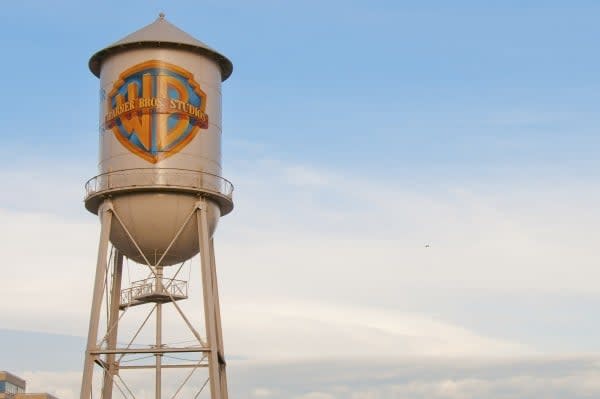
[[216, 363], [113, 325], [220, 348], [101, 266]]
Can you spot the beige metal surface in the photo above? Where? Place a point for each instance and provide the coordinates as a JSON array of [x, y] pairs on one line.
[[151, 290], [155, 201], [153, 219], [153, 196], [160, 33], [97, 353], [159, 195]]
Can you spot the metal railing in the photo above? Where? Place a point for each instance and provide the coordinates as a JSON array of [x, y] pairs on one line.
[[159, 177], [148, 287]]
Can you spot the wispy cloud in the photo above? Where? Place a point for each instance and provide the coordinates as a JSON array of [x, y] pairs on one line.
[[325, 264], [363, 378]]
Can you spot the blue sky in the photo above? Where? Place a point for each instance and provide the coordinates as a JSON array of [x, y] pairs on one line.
[[430, 85], [355, 132]]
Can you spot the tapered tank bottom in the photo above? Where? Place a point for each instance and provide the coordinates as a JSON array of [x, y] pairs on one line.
[[154, 219]]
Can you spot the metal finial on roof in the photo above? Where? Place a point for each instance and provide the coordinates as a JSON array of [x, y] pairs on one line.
[[161, 15]]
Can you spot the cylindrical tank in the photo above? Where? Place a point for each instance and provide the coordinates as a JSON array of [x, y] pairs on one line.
[[160, 140]]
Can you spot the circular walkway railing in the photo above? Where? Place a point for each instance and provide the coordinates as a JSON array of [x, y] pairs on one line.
[[158, 178]]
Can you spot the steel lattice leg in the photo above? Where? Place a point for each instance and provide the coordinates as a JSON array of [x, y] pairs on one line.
[[101, 267]]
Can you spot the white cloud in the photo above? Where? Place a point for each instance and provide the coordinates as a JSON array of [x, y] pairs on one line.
[[333, 257], [64, 385], [415, 378], [54, 285], [305, 330], [262, 393], [506, 237], [315, 395], [47, 264]]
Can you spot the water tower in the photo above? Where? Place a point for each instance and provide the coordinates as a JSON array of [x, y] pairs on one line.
[[159, 195]]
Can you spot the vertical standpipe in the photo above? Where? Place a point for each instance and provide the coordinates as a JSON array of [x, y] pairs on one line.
[[159, 195]]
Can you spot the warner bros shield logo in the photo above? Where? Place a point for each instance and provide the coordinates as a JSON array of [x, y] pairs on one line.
[[155, 109]]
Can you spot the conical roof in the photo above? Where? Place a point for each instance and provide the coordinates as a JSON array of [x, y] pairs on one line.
[[161, 33]]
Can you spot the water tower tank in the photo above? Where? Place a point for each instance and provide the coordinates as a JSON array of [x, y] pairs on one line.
[[160, 140]]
